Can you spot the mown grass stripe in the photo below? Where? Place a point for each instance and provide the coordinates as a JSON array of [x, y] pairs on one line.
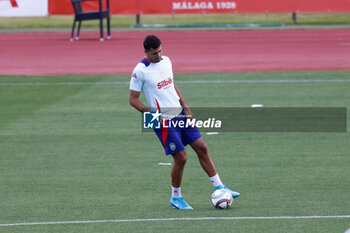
[[184, 82]]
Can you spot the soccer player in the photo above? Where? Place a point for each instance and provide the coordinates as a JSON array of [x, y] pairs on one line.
[[154, 77]]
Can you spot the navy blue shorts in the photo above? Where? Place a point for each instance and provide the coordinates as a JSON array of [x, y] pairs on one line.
[[174, 139]]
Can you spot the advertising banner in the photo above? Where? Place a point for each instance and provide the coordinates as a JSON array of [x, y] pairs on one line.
[[21, 8], [208, 6]]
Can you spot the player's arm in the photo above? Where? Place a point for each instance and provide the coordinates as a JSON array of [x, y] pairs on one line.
[[136, 103], [187, 110]]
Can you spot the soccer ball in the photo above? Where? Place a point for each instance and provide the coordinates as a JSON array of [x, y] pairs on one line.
[[221, 199]]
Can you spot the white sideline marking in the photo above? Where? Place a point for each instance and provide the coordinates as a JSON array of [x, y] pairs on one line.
[[186, 82], [212, 133], [164, 164], [173, 219], [267, 81], [63, 83], [348, 231]]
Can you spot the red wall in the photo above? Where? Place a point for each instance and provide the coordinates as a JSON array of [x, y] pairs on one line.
[[207, 6]]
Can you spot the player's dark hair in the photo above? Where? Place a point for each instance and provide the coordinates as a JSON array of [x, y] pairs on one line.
[[151, 41]]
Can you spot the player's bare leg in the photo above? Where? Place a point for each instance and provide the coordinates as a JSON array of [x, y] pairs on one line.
[[176, 200], [205, 160], [180, 159], [208, 166]]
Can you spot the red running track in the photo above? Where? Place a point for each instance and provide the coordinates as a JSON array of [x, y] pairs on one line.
[[190, 51]]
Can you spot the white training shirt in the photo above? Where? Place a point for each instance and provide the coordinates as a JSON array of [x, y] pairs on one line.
[[156, 81]]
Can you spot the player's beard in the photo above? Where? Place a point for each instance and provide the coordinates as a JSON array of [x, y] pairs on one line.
[[157, 59]]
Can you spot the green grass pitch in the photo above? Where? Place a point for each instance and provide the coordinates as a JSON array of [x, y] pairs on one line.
[[72, 149]]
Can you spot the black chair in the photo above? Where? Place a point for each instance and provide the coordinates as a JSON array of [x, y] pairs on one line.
[[100, 14]]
